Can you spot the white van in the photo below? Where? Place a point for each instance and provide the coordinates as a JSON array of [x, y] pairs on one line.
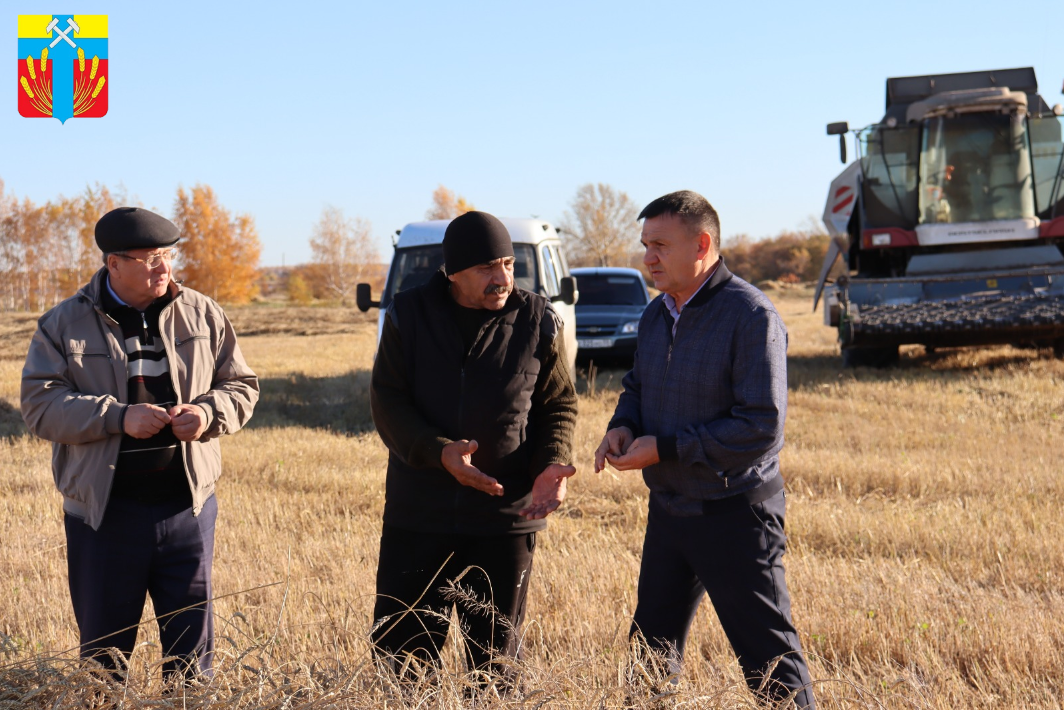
[[540, 268]]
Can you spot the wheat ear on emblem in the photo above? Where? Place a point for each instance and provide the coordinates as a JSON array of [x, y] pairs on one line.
[[84, 93], [37, 87]]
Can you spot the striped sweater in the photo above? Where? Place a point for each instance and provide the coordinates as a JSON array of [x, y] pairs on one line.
[[148, 470]]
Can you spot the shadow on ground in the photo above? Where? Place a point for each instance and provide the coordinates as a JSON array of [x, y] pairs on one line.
[[11, 424], [339, 403], [915, 365]]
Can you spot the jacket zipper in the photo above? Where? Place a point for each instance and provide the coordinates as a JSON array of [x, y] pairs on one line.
[[185, 445], [461, 395], [668, 362], [665, 377]]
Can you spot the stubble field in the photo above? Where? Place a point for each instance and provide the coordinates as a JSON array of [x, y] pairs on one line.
[[924, 522]]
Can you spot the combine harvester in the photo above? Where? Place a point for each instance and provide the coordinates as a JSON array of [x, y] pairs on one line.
[[951, 220]]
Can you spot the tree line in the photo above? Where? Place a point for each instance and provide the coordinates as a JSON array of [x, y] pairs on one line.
[[47, 251], [600, 228]]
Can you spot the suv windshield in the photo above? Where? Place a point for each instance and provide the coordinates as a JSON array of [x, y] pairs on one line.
[[414, 266], [611, 290]]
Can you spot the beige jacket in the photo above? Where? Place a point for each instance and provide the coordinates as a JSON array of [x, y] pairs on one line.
[[75, 383]]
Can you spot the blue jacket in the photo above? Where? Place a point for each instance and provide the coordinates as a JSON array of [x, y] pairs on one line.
[[715, 396]]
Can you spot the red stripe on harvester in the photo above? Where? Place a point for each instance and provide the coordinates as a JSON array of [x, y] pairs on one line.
[[841, 190], [839, 207]]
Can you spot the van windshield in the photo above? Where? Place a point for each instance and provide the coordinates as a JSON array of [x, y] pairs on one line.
[[414, 266]]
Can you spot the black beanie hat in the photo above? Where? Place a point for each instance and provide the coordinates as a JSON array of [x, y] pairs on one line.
[[472, 239], [128, 228]]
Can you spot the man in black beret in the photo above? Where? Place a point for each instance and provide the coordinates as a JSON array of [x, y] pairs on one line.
[[133, 379], [472, 394]]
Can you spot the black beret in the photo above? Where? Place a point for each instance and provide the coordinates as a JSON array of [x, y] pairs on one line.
[[128, 228], [474, 238]]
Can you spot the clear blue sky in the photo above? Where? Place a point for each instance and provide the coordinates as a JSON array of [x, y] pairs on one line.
[[284, 108]]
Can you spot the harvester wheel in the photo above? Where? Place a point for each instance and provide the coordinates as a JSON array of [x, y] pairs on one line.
[[870, 357]]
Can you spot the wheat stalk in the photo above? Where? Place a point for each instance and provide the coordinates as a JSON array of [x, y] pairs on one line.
[[95, 65], [44, 59], [99, 85], [26, 87], [81, 59], [29, 66]]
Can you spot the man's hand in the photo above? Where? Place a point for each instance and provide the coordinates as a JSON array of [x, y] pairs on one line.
[[548, 491], [143, 421], [188, 421], [616, 442], [457, 458], [643, 452]]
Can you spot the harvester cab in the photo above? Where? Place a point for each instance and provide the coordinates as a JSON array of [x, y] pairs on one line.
[[950, 221]]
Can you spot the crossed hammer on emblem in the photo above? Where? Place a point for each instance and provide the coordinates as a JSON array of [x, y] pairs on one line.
[[62, 35]]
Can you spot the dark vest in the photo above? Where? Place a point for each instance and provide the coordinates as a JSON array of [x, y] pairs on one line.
[[483, 394]]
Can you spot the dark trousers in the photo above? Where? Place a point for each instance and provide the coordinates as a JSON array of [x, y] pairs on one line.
[[413, 608], [735, 555], [159, 549]]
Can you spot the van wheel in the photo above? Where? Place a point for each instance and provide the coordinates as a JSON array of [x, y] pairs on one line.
[[870, 357]]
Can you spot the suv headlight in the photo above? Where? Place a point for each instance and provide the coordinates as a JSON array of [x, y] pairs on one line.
[[630, 327]]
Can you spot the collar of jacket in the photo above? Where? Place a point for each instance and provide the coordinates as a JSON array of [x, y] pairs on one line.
[[716, 282], [440, 286], [93, 291]]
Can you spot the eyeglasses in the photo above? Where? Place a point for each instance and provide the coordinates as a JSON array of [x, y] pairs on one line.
[[154, 259]]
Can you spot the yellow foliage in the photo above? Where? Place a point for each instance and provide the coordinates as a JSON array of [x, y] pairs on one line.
[[445, 205], [299, 290], [219, 253]]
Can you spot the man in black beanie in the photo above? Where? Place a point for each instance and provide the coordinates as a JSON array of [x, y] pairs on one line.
[[134, 379], [472, 394]]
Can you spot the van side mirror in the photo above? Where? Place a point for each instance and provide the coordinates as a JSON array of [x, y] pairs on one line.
[[569, 295], [363, 298]]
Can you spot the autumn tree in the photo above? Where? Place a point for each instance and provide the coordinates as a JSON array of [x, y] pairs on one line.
[[298, 289], [47, 252], [601, 228], [343, 252], [219, 254], [445, 205]]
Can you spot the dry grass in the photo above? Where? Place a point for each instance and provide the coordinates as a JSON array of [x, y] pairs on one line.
[[924, 520]]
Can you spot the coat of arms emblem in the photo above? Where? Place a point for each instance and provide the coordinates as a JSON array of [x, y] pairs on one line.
[[62, 66]]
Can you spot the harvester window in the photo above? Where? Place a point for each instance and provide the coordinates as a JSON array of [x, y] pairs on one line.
[[975, 168], [889, 165], [1046, 154]]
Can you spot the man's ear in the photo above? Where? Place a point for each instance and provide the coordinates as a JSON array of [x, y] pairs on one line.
[[705, 245]]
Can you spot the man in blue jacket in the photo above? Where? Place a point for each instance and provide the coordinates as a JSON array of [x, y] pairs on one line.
[[702, 415]]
